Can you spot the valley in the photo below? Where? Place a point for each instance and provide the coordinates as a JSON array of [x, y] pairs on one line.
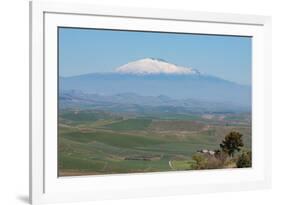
[[103, 142]]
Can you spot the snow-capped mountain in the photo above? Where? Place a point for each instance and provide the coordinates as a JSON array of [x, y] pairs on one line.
[[154, 66], [154, 77]]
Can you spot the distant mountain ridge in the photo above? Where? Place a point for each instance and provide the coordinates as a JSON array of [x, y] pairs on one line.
[[137, 103]]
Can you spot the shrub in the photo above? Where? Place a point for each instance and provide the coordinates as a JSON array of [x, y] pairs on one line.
[[207, 161], [244, 160], [200, 161]]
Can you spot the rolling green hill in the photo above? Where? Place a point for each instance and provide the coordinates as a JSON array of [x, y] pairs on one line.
[[97, 142]]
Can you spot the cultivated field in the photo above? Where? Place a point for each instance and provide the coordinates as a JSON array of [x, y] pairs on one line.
[[102, 142]]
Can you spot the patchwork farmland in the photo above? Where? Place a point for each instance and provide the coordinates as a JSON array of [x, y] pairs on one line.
[[94, 141]]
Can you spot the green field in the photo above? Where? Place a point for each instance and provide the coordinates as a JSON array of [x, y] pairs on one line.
[[99, 142]]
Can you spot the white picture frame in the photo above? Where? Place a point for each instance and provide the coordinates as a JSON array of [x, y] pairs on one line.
[[46, 187]]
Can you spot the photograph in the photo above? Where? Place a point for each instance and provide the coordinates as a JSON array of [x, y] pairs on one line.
[[148, 101]]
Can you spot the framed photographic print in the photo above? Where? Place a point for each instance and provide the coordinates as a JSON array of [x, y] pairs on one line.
[[129, 102]]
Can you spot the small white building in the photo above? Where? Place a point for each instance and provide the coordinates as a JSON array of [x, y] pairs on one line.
[[206, 151]]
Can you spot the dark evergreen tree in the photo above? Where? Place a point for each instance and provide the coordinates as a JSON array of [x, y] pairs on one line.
[[232, 142]]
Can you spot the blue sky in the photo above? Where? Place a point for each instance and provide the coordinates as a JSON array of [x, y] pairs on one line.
[[84, 51]]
